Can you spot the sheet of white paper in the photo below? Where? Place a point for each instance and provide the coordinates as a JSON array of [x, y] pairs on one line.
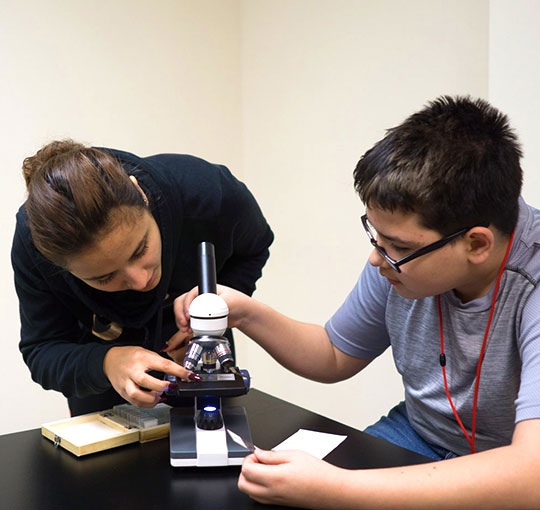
[[318, 444]]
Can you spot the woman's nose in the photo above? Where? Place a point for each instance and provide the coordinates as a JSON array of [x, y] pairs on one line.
[[136, 278]]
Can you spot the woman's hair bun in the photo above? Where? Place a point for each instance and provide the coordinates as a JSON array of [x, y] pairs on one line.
[[33, 164]]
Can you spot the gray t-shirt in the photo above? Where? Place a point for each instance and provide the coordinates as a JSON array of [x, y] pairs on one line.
[[374, 317]]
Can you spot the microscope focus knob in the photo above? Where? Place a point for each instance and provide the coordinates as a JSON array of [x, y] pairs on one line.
[[209, 418]]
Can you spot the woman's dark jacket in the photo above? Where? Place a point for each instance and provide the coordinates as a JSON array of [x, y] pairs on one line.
[[191, 201]]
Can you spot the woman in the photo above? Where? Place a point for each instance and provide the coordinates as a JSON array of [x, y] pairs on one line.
[[103, 245]]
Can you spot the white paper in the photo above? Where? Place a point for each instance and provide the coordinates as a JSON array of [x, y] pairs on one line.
[[318, 444]]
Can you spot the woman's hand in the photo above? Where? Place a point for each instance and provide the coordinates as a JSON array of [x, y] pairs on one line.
[[127, 368], [236, 301], [177, 345], [291, 478]]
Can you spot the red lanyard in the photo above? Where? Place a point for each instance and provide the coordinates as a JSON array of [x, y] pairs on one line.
[[442, 359]]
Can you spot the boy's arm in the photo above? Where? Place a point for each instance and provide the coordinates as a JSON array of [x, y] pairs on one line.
[[303, 348], [502, 478]]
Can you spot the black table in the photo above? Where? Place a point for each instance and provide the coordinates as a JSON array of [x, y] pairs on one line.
[[36, 475]]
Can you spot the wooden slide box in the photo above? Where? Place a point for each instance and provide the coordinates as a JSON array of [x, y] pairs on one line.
[[95, 432]]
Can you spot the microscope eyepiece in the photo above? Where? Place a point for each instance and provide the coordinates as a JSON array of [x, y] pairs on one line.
[[207, 269]]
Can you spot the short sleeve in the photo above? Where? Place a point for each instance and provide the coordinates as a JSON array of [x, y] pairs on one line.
[[528, 401], [358, 326]]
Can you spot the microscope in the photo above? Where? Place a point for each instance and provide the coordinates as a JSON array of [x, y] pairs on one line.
[[209, 433]]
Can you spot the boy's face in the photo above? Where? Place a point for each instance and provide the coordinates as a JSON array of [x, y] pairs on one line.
[[436, 272]]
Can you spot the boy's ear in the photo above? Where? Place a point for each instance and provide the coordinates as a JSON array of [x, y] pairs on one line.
[[481, 242]]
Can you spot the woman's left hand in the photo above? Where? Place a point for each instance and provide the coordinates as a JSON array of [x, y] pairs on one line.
[[177, 345], [291, 478]]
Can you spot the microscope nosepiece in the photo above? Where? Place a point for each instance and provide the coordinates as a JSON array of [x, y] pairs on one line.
[[193, 354], [224, 354]]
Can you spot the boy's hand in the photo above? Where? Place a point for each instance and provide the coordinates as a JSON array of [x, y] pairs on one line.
[[290, 478], [127, 369]]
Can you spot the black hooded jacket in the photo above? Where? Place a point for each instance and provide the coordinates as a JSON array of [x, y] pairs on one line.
[[192, 201]]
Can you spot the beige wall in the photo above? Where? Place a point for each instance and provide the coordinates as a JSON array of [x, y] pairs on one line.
[[287, 93], [514, 79]]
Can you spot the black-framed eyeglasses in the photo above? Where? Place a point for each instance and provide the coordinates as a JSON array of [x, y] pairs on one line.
[[415, 254]]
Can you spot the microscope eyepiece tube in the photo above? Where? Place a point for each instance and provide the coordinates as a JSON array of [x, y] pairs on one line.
[[207, 269]]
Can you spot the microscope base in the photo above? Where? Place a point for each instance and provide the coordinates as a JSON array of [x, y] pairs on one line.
[[192, 446]]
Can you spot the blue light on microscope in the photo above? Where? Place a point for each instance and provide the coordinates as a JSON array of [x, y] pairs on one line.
[[210, 409]]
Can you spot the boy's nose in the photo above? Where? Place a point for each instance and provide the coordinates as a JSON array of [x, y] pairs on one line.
[[375, 258]]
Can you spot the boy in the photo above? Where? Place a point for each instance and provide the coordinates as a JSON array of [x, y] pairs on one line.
[[451, 286]]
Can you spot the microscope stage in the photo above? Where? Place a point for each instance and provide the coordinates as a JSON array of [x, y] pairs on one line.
[[218, 384]]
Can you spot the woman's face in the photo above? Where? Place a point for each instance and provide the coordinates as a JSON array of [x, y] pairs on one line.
[[126, 258]]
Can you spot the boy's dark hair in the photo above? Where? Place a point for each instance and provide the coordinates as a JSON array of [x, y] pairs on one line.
[[455, 163]]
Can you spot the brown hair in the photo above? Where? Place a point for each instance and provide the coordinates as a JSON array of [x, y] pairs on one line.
[[73, 192]]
